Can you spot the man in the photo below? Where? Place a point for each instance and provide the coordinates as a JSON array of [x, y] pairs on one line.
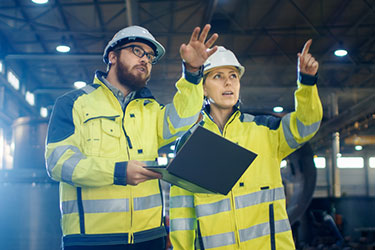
[[100, 137]]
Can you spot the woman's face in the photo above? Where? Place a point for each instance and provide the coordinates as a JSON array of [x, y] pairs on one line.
[[222, 87]]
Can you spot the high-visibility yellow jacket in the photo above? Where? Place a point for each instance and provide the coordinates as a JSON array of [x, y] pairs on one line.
[[91, 138], [253, 214]]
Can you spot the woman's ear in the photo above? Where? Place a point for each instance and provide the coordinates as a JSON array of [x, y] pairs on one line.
[[205, 91]]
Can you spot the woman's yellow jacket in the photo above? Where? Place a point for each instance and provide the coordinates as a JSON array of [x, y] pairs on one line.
[[253, 214]]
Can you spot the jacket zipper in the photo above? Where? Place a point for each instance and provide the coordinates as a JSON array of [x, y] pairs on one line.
[[232, 198], [236, 234], [131, 205]]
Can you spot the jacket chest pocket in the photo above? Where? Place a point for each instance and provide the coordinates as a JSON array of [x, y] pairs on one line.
[[101, 137]]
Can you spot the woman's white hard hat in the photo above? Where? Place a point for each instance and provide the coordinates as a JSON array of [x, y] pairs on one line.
[[223, 57], [134, 33]]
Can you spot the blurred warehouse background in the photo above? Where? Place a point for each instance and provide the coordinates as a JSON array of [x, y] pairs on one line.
[[49, 47]]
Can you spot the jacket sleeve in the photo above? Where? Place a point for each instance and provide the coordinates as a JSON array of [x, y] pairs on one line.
[[301, 125], [65, 160], [183, 221], [177, 117]]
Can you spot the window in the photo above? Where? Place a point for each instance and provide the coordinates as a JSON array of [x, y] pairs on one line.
[[283, 164], [320, 162], [371, 162], [350, 162], [30, 98], [43, 112], [13, 80]]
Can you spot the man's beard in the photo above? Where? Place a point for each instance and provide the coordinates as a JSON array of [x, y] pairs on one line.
[[129, 80]]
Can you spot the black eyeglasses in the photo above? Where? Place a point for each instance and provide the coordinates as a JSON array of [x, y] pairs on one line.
[[140, 52]]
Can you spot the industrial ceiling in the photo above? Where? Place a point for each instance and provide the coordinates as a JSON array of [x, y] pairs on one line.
[[266, 36]]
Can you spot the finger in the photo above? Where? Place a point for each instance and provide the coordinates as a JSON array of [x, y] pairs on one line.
[[310, 62], [306, 47], [194, 35], [304, 59], [212, 40], [182, 48], [151, 174], [211, 51], [315, 65], [204, 33]]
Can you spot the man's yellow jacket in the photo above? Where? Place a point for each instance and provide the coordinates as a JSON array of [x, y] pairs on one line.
[[90, 140], [253, 214]]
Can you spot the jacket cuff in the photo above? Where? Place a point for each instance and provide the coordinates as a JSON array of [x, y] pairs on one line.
[[307, 79], [120, 173], [193, 77]]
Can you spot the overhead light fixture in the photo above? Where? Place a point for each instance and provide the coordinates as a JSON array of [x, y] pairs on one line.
[[63, 48], [39, 1], [340, 52], [278, 109], [358, 147], [79, 84]]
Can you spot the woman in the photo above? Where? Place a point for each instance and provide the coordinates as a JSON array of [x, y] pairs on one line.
[[253, 214]]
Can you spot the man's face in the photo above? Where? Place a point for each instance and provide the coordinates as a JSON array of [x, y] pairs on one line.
[[132, 71]]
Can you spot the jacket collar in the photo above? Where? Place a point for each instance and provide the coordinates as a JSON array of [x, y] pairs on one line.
[[206, 110]]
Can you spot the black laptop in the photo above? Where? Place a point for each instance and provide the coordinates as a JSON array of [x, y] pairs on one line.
[[207, 163]]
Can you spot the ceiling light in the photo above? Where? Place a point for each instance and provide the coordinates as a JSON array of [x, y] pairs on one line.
[[79, 84], [40, 1], [63, 48], [340, 52], [358, 147], [278, 109]]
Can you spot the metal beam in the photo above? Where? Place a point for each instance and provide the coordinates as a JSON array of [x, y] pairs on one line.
[[209, 12], [347, 117], [132, 12]]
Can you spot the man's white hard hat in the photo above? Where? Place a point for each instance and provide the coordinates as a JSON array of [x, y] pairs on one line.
[[136, 34]]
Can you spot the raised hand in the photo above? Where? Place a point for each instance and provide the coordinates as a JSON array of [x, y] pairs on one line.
[[136, 173], [196, 52], [306, 62]]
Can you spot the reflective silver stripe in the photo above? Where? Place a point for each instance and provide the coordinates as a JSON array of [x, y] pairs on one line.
[[88, 89], [182, 224], [151, 201], [55, 156], [96, 206], [218, 240], [70, 164], [181, 201], [213, 208], [288, 134], [248, 118], [254, 232], [306, 130], [267, 195], [176, 121], [69, 207], [263, 229]]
